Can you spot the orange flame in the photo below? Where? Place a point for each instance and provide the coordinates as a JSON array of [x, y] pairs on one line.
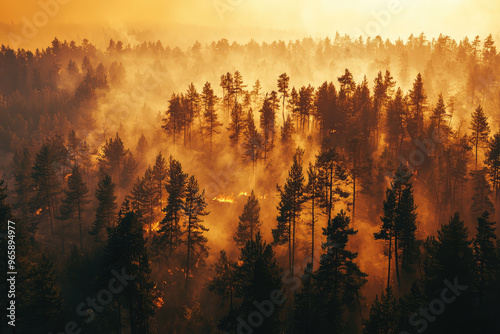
[[159, 302], [155, 227], [224, 198]]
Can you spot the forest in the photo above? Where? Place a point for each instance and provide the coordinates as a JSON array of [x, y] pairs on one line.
[[322, 185]]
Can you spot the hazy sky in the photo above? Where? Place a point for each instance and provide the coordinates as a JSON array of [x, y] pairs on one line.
[[388, 18]]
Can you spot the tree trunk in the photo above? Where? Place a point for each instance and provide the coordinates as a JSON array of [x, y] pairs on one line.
[[312, 228], [354, 188], [389, 266], [188, 251], [80, 225], [396, 256], [290, 246]]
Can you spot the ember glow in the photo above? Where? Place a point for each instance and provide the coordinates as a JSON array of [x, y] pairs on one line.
[[225, 199]]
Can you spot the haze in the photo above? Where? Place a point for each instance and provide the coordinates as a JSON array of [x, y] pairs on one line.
[[182, 22]]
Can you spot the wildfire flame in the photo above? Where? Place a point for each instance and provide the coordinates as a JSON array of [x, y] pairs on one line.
[[159, 302], [244, 193], [224, 198], [155, 227], [38, 212]]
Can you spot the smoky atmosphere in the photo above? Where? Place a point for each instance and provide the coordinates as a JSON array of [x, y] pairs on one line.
[[249, 167]]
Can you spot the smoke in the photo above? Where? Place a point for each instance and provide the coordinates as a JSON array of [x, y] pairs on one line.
[[176, 22]]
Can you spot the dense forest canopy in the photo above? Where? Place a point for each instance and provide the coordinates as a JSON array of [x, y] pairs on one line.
[[335, 184]]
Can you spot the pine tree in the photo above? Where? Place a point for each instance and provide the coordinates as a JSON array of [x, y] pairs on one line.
[[238, 86], [480, 129], [293, 104], [417, 104], [380, 97], [438, 118], [174, 116], [326, 108], [304, 108], [224, 283], [332, 175], [145, 195], [484, 250], [481, 194], [383, 313], [312, 195], [364, 119], [170, 229], [226, 82], [26, 249], [106, 208], [23, 187], [160, 174], [236, 125], [256, 93], [493, 164], [338, 280], [254, 145], [74, 144], [360, 165], [126, 253], [75, 201], [267, 124], [259, 277], [113, 159], [129, 170], [287, 131], [489, 50], [249, 222], [304, 311], [399, 222], [193, 209], [44, 301], [395, 121], [192, 109], [142, 146], [283, 82], [451, 258], [407, 227], [46, 183], [210, 116], [290, 207]]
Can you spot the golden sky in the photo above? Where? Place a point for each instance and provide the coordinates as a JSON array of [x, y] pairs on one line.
[[388, 18]]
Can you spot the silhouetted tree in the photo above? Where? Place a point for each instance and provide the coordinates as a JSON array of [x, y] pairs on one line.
[[105, 212], [481, 193], [480, 129], [383, 313], [236, 125], [283, 82], [193, 209], [75, 201], [267, 124], [249, 222], [259, 277], [493, 164], [224, 283], [46, 183], [417, 106], [170, 229], [210, 116], [290, 207]]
